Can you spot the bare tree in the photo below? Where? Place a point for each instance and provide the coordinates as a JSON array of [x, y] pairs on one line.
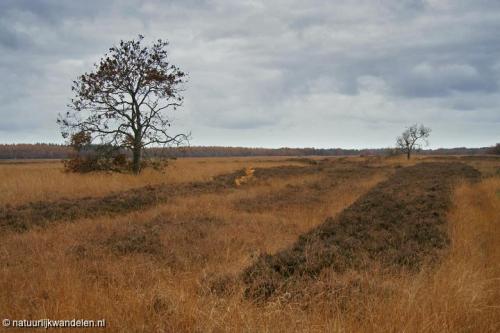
[[123, 102], [410, 139]]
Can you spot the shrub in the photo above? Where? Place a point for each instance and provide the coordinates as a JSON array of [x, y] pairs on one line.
[[87, 157], [98, 159]]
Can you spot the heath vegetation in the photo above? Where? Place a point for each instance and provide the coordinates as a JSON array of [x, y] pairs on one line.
[[257, 244]]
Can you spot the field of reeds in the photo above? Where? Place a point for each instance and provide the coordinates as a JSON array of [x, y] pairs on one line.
[[358, 244]]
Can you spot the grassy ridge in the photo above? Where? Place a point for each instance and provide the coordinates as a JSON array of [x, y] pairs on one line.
[[400, 222]]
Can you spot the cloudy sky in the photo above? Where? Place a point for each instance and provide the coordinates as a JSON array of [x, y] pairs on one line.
[[271, 73]]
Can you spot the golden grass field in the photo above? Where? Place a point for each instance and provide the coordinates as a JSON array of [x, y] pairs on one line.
[[158, 269]]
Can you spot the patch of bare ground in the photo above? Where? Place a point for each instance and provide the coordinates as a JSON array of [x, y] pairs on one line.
[[399, 224]]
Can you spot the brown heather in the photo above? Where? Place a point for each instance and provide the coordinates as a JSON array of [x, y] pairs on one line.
[[175, 265]]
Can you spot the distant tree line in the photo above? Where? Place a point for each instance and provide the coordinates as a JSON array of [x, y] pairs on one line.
[[34, 151], [57, 151]]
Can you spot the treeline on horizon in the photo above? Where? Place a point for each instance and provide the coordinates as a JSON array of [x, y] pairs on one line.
[[60, 151]]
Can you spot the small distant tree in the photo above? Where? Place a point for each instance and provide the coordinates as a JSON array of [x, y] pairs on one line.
[[124, 101], [411, 139]]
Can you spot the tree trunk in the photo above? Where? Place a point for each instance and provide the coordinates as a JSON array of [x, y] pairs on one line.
[[408, 152], [136, 162]]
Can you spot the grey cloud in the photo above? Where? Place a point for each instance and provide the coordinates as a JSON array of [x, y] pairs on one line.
[[277, 70]]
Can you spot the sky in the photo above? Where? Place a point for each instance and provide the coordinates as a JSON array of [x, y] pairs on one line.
[[275, 73]]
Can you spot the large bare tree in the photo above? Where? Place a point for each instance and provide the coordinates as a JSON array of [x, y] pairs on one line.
[[125, 99], [411, 138]]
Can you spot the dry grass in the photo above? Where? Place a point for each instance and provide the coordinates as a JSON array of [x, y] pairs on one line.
[[399, 224], [25, 182], [169, 268], [463, 293]]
